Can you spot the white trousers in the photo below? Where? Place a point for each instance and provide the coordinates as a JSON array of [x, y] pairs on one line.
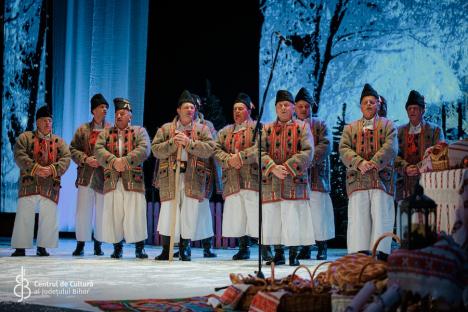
[[88, 201], [370, 214], [193, 219], [287, 222], [321, 209], [124, 216], [240, 214], [23, 230]]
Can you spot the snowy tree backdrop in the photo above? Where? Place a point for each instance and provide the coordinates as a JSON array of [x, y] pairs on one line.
[[24, 59], [337, 46]]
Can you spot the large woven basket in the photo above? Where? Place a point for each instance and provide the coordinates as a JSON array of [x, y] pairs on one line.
[[349, 273], [309, 298], [294, 294]]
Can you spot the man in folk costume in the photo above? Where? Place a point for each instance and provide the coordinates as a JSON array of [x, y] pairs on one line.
[[287, 151], [319, 173], [121, 150], [197, 146], [413, 139], [90, 178], [237, 153], [43, 158], [368, 148]]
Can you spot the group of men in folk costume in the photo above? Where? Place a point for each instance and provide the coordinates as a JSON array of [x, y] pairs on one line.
[[109, 181], [372, 149], [295, 170]]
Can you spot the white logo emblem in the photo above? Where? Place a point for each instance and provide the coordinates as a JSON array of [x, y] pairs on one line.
[[24, 291]]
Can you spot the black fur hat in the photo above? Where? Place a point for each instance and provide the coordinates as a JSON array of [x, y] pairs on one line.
[[97, 100], [368, 90], [43, 112], [283, 95], [186, 97], [245, 99], [415, 98], [304, 95], [121, 103]]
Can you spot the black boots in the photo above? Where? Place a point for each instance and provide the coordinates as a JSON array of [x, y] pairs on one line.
[[183, 245], [207, 253], [322, 250], [293, 256], [189, 252], [278, 259], [42, 252], [117, 254], [97, 248], [266, 253], [304, 254], [79, 250], [244, 250], [140, 250], [19, 252], [164, 255]]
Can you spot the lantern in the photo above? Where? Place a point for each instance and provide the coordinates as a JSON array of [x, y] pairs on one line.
[[418, 220]]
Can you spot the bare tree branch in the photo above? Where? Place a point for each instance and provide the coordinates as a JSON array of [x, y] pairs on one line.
[[372, 34], [412, 36], [343, 52], [316, 38], [335, 23]]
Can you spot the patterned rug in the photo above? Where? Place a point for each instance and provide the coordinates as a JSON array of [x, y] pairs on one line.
[[193, 304]]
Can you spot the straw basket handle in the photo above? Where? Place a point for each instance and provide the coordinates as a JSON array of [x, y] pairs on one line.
[[316, 269], [291, 282], [364, 268], [384, 235]]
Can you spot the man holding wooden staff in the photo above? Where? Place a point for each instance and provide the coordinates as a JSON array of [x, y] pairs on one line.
[[183, 148]]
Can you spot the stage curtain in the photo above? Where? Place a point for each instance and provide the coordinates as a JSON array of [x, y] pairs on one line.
[[98, 47]]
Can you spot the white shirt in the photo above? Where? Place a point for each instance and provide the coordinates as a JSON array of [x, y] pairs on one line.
[[414, 129], [368, 123]]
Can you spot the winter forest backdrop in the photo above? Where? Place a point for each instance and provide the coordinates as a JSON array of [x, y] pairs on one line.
[[335, 47]]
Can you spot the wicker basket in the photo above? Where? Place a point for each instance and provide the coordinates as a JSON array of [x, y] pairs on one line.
[[292, 295], [302, 299], [349, 273], [438, 156]]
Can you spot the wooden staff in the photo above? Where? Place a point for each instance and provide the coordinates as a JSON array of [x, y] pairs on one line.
[[175, 205]]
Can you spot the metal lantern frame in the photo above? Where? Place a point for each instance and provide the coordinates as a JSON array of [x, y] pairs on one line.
[[418, 220]]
